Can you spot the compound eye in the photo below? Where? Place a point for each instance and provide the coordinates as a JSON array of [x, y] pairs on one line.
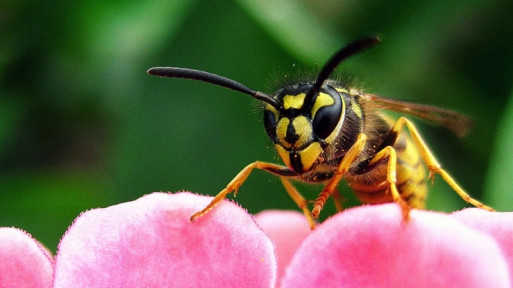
[[270, 118], [326, 114]]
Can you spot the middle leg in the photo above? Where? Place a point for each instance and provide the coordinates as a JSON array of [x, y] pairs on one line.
[[391, 177]]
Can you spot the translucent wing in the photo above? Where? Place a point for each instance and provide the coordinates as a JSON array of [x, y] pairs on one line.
[[454, 122]]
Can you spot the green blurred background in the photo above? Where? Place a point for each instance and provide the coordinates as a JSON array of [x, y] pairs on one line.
[[82, 125]]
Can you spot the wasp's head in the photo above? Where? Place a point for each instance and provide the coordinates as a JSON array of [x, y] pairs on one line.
[[302, 119], [304, 123]]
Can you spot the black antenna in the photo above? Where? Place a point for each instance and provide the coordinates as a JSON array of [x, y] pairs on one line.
[[176, 72], [337, 58]]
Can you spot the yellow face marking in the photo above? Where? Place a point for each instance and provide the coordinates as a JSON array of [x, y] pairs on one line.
[[294, 101], [273, 110], [284, 154], [334, 134], [322, 100], [303, 129], [309, 155], [281, 131]]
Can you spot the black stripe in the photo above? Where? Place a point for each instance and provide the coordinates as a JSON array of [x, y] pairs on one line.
[[291, 135], [295, 162]]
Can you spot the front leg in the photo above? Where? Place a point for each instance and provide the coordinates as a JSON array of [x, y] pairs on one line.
[[234, 185], [390, 153], [351, 155]]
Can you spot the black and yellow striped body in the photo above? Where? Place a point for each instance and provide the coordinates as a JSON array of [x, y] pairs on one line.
[[369, 182], [325, 131], [314, 155]]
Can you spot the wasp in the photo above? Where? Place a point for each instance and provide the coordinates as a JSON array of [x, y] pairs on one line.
[[325, 131]]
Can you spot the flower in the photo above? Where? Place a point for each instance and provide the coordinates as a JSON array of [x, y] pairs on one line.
[[23, 261], [150, 242], [287, 229], [370, 246]]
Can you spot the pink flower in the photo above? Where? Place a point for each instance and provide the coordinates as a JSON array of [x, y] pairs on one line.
[[151, 243], [370, 246], [287, 229], [23, 261]]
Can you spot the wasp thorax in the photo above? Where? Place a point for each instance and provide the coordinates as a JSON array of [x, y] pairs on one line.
[[303, 126]]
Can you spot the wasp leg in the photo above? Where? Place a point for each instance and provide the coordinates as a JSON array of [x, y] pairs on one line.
[[301, 202], [342, 169], [389, 152], [337, 199], [234, 185], [432, 163]]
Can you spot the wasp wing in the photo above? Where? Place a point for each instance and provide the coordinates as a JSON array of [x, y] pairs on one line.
[[454, 122]]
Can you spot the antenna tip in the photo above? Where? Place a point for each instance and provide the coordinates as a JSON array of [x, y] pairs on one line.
[[373, 40], [152, 71]]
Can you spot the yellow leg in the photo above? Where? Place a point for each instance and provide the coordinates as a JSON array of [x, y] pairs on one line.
[[389, 152], [432, 163], [301, 202], [234, 185], [337, 199], [342, 169]]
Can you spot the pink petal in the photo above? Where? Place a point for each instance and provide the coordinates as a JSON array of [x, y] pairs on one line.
[[287, 229], [150, 242], [370, 246], [23, 261], [498, 225]]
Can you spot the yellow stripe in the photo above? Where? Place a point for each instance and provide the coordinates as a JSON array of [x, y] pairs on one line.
[[335, 132], [273, 110], [356, 108], [294, 101], [342, 90], [303, 129], [284, 154], [322, 100], [309, 155], [281, 131]]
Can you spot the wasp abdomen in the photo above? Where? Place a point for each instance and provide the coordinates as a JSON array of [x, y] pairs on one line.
[[369, 181]]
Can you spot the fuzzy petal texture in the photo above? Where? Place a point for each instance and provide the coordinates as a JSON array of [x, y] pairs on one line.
[[371, 246], [287, 229], [150, 242], [498, 225], [23, 261]]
